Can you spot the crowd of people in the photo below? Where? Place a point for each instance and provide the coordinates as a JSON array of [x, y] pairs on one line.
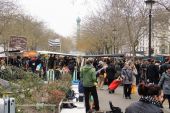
[[151, 77], [40, 65]]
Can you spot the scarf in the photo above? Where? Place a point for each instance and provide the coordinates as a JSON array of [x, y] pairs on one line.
[[151, 100]]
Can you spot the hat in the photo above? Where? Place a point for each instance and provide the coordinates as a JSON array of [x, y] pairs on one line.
[[89, 60], [150, 60], [101, 62]]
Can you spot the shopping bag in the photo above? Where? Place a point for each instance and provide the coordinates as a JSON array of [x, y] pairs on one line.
[[75, 81], [105, 75], [133, 90], [38, 67], [114, 84], [80, 87]]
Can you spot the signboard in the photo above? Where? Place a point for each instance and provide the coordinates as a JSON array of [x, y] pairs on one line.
[[54, 42], [18, 43]]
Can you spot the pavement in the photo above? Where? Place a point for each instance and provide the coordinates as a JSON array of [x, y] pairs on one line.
[[118, 99]]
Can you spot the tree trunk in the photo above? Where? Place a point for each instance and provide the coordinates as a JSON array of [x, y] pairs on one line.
[[133, 52]]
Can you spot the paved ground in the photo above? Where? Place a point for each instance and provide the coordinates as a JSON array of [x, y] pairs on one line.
[[118, 100]]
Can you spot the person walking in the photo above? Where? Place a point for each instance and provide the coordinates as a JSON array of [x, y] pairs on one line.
[[110, 72], [143, 69], [150, 100], [163, 67], [152, 72], [138, 75], [134, 74], [127, 76], [165, 84], [88, 77], [101, 74]]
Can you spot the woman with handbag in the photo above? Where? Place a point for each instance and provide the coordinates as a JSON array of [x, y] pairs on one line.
[[134, 74], [127, 76]]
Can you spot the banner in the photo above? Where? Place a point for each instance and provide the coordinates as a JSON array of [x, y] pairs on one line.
[[54, 42], [18, 43]]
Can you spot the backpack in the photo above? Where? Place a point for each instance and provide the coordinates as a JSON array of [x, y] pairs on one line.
[[70, 94]]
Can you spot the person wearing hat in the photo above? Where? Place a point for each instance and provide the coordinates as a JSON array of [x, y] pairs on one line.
[[165, 84], [88, 78], [101, 74]]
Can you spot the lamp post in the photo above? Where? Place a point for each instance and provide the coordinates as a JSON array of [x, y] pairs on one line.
[[149, 3], [114, 36]]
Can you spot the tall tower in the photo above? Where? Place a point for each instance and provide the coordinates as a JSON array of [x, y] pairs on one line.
[[78, 26], [78, 20]]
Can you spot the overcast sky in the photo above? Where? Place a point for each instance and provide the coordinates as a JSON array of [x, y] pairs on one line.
[[59, 15]]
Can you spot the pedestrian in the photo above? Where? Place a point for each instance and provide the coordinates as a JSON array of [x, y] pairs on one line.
[[163, 67], [101, 74], [88, 77], [127, 76], [134, 74], [137, 65], [143, 69], [110, 72], [165, 84], [152, 72], [150, 101]]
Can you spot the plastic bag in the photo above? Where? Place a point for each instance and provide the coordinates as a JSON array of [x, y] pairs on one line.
[[134, 90]]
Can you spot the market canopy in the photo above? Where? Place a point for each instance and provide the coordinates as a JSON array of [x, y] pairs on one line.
[[2, 54], [30, 54]]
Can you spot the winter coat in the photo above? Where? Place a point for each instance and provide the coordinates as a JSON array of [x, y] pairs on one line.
[[127, 76], [146, 104], [152, 73], [88, 75], [142, 107], [134, 74], [165, 83], [110, 71], [163, 68]]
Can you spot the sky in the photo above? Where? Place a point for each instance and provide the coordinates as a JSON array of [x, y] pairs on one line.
[[59, 15]]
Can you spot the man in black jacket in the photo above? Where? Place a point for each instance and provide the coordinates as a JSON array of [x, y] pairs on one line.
[[110, 72], [152, 72]]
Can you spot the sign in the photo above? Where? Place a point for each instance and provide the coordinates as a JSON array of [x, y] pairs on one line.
[[54, 42], [18, 43]]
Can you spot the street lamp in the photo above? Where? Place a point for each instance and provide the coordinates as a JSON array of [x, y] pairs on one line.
[[149, 3], [114, 36]]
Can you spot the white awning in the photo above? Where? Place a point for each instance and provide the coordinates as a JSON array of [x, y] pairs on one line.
[[1, 52]]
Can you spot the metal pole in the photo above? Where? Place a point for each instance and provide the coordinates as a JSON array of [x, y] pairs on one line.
[[114, 46], [150, 20]]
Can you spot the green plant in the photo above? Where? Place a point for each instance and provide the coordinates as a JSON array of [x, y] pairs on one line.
[[28, 88]]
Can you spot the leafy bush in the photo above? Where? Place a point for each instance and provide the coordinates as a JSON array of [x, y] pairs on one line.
[[12, 73], [30, 89]]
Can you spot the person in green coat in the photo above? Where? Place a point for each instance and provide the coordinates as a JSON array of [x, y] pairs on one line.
[[88, 77]]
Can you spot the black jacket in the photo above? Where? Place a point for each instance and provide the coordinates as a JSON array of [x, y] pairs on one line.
[[110, 71], [152, 73], [142, 107]]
